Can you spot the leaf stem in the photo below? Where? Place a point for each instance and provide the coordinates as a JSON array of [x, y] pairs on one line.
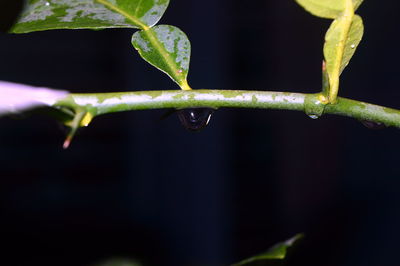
[[102, 103]]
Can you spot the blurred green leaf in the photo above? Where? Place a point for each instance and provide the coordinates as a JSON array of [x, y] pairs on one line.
[[167, 48], [119, 262], [277, 252], [327, 8], [41, 15]]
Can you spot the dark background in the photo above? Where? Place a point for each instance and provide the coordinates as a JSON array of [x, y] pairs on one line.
[[132, 185]]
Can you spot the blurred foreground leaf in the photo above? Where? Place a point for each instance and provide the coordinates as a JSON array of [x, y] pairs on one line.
[[16, 98], [277, 252], [118, 262]]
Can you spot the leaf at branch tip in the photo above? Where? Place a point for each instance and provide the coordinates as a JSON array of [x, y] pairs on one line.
[[167, 48], [332, 40], [89, 14], [277, 252], [327, 8]]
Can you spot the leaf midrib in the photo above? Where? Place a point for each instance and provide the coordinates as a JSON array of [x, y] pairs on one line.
[[151, 34], [134, 19]]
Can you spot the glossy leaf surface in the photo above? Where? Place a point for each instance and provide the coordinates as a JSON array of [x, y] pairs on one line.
[[354, 37], [277, 252], [327, 8], [337, 55], [167, 48], [41, 15]]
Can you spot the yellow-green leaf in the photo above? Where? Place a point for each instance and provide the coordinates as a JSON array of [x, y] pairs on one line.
[[354, 37], [277, 252], [340, 45], [327, 8]]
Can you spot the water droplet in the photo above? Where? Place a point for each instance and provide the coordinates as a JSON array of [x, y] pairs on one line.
[[47, 4], [313, 116], [373, 125], [353, 46], [313, 106], [195, 119]]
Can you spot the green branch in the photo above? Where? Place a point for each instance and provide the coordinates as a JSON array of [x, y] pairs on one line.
[[102, 103]]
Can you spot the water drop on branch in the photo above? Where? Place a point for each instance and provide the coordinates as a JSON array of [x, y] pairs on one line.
[[195, 119]]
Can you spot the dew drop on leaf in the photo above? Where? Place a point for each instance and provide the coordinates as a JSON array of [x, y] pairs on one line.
[[195, 119], [373, 125]]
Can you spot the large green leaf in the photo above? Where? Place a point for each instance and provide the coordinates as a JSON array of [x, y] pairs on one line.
[[89, 14], [277, 252], [327, 8], [167, 48]]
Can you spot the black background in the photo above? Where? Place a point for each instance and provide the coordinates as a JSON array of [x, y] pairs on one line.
[[132, 185]]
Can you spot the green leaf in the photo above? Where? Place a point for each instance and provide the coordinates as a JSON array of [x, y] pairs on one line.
[[119, 262], [41, 15], [167, 48], [327, 8], [357, 3], [354, 37], [277, 252], [337, 55]]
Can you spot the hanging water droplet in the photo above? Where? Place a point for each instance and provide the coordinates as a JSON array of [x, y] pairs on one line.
[[313, 116], [353, 46], [313, 106], [373, 125], [195, 119], [47, 4]]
